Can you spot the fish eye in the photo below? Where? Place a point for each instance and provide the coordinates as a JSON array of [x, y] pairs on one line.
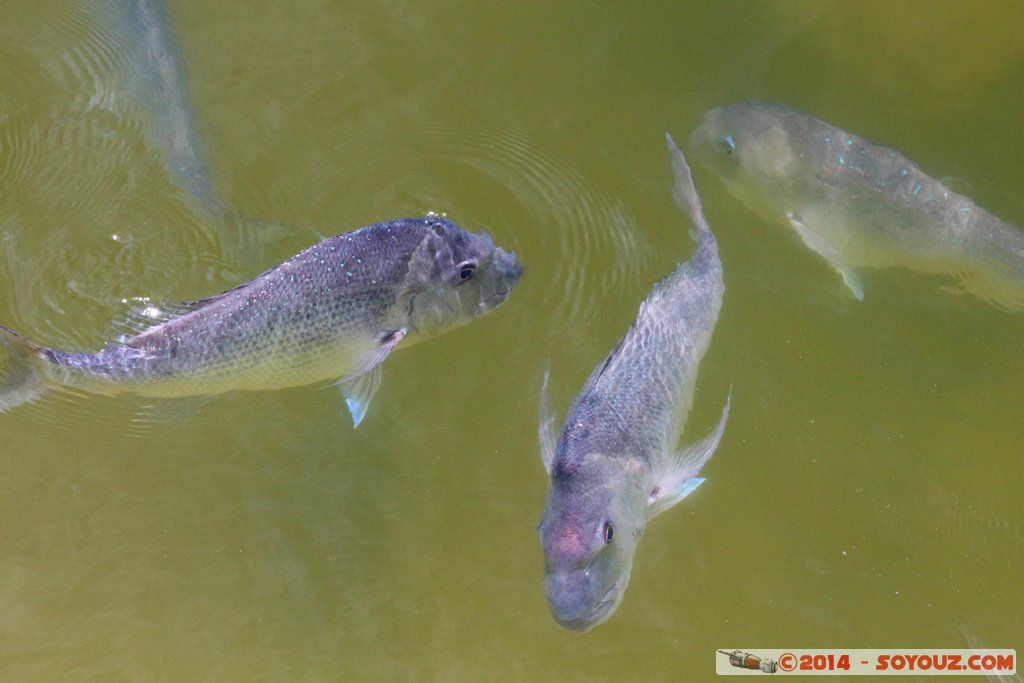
[[466, 271], [609, 532], [726, 145]]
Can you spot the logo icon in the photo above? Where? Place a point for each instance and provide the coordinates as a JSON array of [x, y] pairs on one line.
[[745, 660]]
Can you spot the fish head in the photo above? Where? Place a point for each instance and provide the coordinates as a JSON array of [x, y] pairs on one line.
[[589, 541], [750, 141], [455, 275]]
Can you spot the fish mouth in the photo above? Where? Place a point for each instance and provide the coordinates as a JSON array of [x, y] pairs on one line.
[[597, 614], [508, 273], [603, 608], [508, 266], [493, 301]]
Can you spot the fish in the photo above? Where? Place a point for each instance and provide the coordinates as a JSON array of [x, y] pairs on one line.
[[132, 64], [617, 462], [144, 53], [335, 310], [858, 204]]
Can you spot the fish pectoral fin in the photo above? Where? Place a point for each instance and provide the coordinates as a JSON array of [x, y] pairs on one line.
[[680, 476], [548, 436], [359, 387], [816, 243]]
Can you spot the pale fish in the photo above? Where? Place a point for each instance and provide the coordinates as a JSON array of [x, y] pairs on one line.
[[859, 204], [617, 462]]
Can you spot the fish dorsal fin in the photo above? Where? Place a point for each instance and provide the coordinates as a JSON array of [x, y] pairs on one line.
[[144, 314], [359, 387], [595, 376], [679, 479], [206, 301], [548, 437]]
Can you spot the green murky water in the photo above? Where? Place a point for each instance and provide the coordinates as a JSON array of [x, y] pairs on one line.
[[867, 491]]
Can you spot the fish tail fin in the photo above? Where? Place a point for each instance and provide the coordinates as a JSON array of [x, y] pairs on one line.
[[20, 379], [684, 190]]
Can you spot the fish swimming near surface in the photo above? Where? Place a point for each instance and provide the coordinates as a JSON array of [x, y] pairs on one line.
[[335, 310], [617, 462], [858, 204], [133, 65], [139, 45]]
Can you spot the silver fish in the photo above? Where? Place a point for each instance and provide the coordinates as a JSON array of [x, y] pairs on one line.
[[859, 204], [616, 463], [336, 309]]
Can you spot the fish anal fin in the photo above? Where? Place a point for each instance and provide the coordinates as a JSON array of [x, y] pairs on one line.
[[359, 387], [813, 240], [679, 478], [997, 288]]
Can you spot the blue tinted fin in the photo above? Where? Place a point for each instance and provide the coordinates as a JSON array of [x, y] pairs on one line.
[[680, 476], [548, 438], [359, 387], [359, 392], [816, 243]]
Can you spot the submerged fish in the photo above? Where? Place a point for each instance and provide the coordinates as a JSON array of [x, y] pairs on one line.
[[859, 204], [336, 309], [140, 46], [616, 463], [132, 64]]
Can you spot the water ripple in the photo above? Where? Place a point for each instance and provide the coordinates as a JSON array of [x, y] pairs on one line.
[[578, 241]]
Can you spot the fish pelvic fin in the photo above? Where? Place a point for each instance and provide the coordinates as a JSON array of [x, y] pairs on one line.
[[679, 478], [20, 379], [359, 392], [547, 433], [359, 387], [813, 241]]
